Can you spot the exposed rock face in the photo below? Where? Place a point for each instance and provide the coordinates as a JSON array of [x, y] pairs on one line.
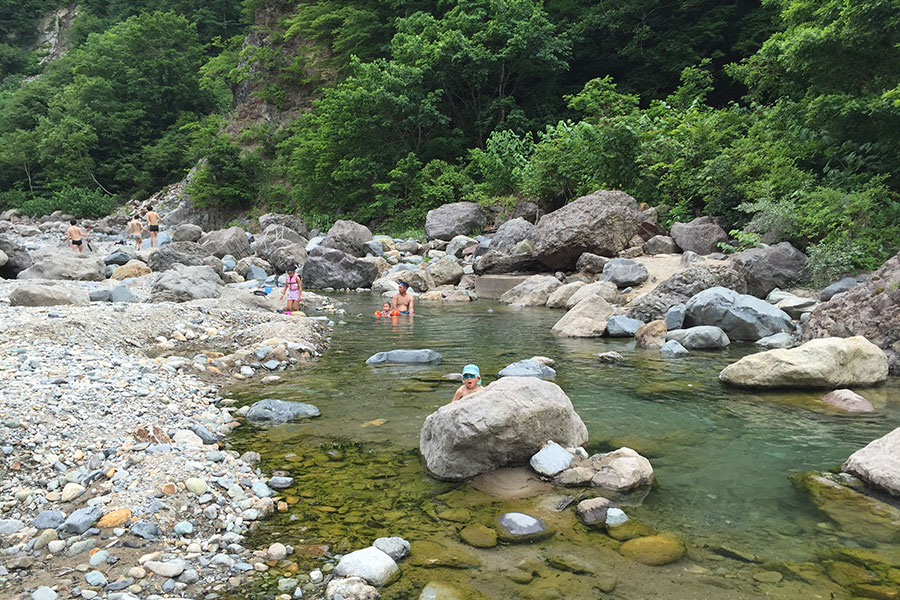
[[701, 235], [497, 263], [509, 234], [624, 272], [768, 268], [827, 362], [349, 237], [450, 220], [73, 267], [588, 318], [290, 221], [740, 316], [445, 271], [878, 463], [605, 289], [661, 244], [681, 286], [187, 232], [601, 223], [327, 267], [504, 424], [233, 241], [39, 294], [181, 284], [871, 309], [534, 291], [703, 337], [561, 295], [178, 253]]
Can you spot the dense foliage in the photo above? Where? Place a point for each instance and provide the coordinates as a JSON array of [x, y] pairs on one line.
[[781, 117]]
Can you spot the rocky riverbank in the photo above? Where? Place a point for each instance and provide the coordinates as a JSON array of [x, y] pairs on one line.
[[115, 480]]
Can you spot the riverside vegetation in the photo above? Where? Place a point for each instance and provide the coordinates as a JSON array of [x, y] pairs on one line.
[[780, 117]]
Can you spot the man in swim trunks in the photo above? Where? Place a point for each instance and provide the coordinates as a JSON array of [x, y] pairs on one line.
[[152, 225], [293, 287], [73, 236], [136, 231], [471, 382], [402, 301]]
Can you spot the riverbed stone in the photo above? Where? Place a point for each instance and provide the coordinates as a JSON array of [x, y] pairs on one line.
[[825, 362], [182, 284], [504, 424], [878, 463], [848, 401], [624, 272], [519, 527], [48, 519], [654, 550], [114, 518], [425, 553], [621, 470], [702, 337], [673, 349], [776, 340], [74, 267], [232, 241], [40, 294], [652, 335], [561, 295], [10, 526], [593, 510], [405, 357], [171, 568], [622, 326], [272, 410], [628, 530], [527, 368], [350, 588], [534, 291], [740, 316], [478, 536], [44, 593], [82, 519], [395, 547], [373, 565], [588, 318], [551, 459], [675, 316], [605, 289]]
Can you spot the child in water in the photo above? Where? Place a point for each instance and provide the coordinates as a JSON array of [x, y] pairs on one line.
[[386, 311], [471, 382]]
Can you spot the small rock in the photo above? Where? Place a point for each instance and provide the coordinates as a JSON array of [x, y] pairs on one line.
[[276, 551], [395, 547], [165, 569]]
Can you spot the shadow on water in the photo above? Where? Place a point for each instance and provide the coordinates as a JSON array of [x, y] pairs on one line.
[[721, 456]]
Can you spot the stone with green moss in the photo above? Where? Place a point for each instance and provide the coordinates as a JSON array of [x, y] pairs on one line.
[[654, 550], [629, 530], [424, 553], [478, 535], [847, 574], [878, 592]]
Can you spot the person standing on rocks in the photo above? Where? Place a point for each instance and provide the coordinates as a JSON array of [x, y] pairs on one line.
[[471, 382], [152, 225], [136, 230], [293, 286], [402, 301], [73, 236]]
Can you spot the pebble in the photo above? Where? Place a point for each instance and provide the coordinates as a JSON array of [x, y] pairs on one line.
[[44, 593], [165, 569], [276, 551], [56, 546], [95, 579]]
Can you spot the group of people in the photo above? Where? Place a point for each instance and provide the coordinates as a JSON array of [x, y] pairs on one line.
[[400, 304], [77, 237]]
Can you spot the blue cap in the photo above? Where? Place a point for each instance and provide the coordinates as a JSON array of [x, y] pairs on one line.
[[471, 370]]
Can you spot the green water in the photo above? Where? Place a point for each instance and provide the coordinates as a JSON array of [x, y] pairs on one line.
[[721, 456]]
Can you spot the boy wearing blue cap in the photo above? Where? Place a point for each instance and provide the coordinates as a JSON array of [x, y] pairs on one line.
[[471, 382]]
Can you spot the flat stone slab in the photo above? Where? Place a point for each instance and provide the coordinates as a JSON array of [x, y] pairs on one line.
[[405, 357]]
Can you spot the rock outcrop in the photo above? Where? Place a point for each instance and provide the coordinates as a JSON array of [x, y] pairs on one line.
[[740, 316], [328, 267], [181, 284], [451, 220], [349, 237], [770, 267], [702, 235]]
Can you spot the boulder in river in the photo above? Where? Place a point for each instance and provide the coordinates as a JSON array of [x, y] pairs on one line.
[[445, 271], [588, 318], [73, 267], [848, 401], [349, 237], [17, 258], [280, 411], [651, 335], [232, 241], [702, 337], [45, 294], [878, 463], [534, 291], [740, 316], [653, 550], [516, 527], [328, 267], [673, 349], [602, 223], [621, 470], [450, 220], [605, 289], [871, 309], [819, 363], [133, 268], [622, 326], [683, 285], [527, 368], [551, 459], [405, 357], [768, 267], [183, 284], [504, 424], [624, 272], [702, 235], [561, 295]]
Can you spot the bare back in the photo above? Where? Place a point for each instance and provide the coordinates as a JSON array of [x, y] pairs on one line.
[[152, 217], [73, 233]]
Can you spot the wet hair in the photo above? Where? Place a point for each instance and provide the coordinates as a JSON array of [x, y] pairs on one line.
[[72, 222], [149, 207]]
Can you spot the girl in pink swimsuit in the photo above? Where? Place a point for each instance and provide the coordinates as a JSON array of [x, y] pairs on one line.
[[293, 287]]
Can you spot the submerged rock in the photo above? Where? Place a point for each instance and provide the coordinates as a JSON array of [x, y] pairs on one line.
[[280, 411], [828, 362], [424, 553], [593, 510], [519, 527], [673, 349], [702, 337], [405, 357], [848, 400], [504, 424], [878, 463], [478, 536], [653, 550]]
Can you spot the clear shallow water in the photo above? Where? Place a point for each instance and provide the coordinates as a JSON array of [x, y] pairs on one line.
[[721, 456]]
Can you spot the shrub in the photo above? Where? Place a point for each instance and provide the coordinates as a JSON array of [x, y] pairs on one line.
[[79, 202]]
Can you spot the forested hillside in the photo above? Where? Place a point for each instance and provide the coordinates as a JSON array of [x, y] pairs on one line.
[[782, 117]]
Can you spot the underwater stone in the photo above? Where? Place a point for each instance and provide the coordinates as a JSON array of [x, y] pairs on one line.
[[519, 527], [280, 411], [527, 368], [404, 357], [395, 547]]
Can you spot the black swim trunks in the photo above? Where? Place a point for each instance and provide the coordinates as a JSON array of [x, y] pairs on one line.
[[154, 228], [76, 242]]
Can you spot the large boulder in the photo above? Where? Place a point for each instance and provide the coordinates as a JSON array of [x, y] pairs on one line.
[[182, 284], [42, 294], [702, 235], [703, 337], [871, 309], [458, 218], [118, 257], [189, 254], [288, 255], [605, 289], [534, 291], [73, 267], [601, 223], [821, 363], [445, 271], [509, 234], [232, 241], [561, 295], [17, 258], [661, 244], [328, 267], [878, 464], [290, 221], [770, 267], [497, 263], [624, 272], [133, 268], [245, 265], [588, 318], [187, 232], [838, 287], [349, 237], [276, 233], [740, 316], [681, 286], [458, 244], [502, 425]]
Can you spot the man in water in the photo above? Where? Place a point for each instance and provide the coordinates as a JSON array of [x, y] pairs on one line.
[[471, 382], [152, 225], [73, 236], [402, 301]]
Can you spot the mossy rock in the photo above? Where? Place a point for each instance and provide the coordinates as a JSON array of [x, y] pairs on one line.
[[442, 590], [431, 554], [654, 550], [847, 574], [568, 563], [520, 576], [456, 515], [629, 530], [478, 535], [878, 592]]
